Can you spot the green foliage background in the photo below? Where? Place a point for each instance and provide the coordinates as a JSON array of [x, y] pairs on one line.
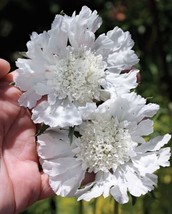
[[149, 22]]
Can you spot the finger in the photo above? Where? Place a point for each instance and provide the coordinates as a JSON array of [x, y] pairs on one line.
[[46, 192], [14, 74], [4, 67]]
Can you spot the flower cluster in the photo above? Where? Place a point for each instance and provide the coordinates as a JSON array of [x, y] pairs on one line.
[[82, 88]]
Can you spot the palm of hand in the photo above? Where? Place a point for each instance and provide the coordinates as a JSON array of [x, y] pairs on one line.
[[21, 182]]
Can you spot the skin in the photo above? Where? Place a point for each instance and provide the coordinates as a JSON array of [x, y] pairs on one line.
[[21, 181]]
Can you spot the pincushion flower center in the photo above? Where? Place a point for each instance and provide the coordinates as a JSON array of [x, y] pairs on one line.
[[77, 76], [104, 146]]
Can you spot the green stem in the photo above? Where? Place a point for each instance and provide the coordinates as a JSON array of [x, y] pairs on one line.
[[53, 205], [94, 206], [81, 208], [116, 207]]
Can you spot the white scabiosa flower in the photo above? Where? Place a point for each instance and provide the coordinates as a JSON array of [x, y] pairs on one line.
[[72, 69], [110, 143]]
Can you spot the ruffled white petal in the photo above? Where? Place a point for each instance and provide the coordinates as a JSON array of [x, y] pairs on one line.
[[122, 57], [113, 82], [121, 39], [145, 127], [103, 45], [105, 184], [58, 32], [29, 74], [99, 187], [65, 172], [150, 156], [65, 175], [48, 143], [146, 163], [42, 89], [119, 193], [60, 114], [154, 144], [138, 185], [29, 99], [122, 60], [132, 107], [164, 157], [87, 112], [82, 27]]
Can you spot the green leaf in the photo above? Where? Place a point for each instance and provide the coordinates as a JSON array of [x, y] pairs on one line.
[[134, 200], [153, 195], [41, 129], [71, 133], [22, 54], [62, 13], [12, 83]]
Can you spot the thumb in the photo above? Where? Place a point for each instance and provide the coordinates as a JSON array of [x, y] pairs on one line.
[[46, 191]]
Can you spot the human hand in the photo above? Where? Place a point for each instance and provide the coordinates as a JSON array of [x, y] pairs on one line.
[[21, 182]]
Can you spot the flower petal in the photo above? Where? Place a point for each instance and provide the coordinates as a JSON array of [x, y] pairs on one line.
[[122, 60], [121, 39], [164, 157], [64, 171], [60, 114], [146, 163], [65, 183], [53, 144], [154, 144], [82, 28], [145, 127], [29, 98], [87, 111], [119, 193], [138, 185], [59, 32], [95, 189], [118, 84]]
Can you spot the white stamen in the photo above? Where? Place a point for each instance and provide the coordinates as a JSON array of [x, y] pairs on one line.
[[104, 145], [77, 76]]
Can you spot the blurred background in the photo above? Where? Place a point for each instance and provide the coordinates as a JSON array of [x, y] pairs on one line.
[[149, 22]]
